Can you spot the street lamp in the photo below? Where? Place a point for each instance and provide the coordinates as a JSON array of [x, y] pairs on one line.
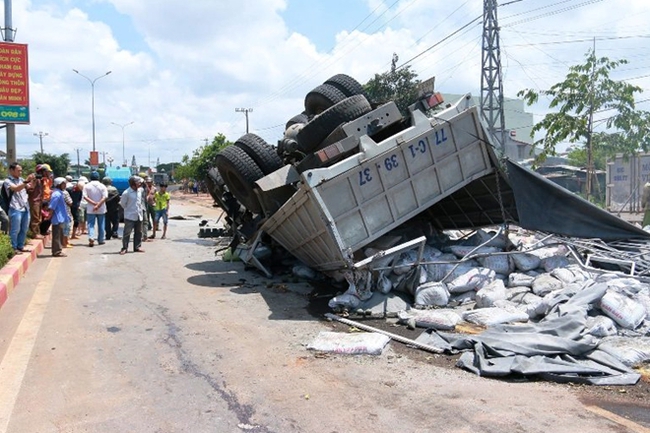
[[40, 135], [92, 87], [123, 126]]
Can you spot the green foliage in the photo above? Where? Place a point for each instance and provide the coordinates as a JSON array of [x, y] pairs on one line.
[[202, 159], [59, 164], [6, 250], [588, 88], [399, 85]]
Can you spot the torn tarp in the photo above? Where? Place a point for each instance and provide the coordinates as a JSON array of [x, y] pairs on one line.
[[556, 349], [542, 205]]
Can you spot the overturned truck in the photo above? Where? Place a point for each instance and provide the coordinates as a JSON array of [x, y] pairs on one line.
[[346, 173]]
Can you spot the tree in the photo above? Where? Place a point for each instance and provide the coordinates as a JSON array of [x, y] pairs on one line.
[[588, 90], [202, 159], [59, 164], [399, 85]]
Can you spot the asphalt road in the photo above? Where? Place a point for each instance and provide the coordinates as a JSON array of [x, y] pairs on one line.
[[173, 340]]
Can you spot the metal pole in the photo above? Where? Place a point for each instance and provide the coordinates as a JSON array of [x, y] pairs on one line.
[[245, 111], [40, 135], [8, 36], [123, 126], [92, 88], [78, 163]]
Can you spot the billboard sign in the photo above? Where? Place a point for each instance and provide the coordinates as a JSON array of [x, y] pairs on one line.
[[14, 83]]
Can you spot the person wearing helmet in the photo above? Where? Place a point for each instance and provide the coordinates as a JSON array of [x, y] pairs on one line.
[[112, 209], [59, 216], [132, 203], [95, 194]]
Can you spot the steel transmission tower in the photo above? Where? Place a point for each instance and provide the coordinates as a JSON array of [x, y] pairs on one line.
[[491, 76]]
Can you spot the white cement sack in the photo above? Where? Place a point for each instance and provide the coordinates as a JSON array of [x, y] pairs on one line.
[[545, 284], [500, 264], [508, 305], [643, 298], [461, 251], [518, 280], [357, 343], [564, 274], [529, 298], [344, 301], [494, 316], [627, 285], [489, 294], [516, 293], [433, 293], [580, 274], [384, 285], [550, 263], [437, 271], [474, 279], [460, 270], [631, 351], [463, 298], [627, 312], [526, 261], [489, 239], [600, 326], [442, 319], [405, 262]]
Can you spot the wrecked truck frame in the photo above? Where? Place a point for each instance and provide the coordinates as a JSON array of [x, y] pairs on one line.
[[340, 209]]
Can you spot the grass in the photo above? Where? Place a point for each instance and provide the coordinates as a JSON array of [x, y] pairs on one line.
[[6, 251]]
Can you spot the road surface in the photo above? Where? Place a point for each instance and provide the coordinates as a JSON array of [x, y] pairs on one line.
[[173, 340]]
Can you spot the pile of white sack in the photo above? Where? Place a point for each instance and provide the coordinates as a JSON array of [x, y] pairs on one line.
[[484, 285]]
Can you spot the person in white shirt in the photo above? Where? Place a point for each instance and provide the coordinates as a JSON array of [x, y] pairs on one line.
[[95, 194], [132, 203]]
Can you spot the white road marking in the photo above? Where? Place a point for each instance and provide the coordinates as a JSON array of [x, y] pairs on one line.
[[618, 419], [14, 363]]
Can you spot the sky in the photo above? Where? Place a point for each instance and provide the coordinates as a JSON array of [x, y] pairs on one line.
[[179, 70]]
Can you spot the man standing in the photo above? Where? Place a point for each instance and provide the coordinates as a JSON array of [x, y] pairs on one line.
[[59, 216], [95, 194], [14, 187], [112, 209], [131, 202], [161, 207], [35, 199]]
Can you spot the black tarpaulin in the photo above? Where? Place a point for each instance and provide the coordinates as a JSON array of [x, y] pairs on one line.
[[544, 206]]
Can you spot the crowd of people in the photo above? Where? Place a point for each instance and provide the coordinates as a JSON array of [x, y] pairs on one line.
[[41, 204]]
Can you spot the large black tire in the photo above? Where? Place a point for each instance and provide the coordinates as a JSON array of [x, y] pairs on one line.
[[346, 84], [298, 118], [322, 98], [313, 133], [261, 152], [240, 172]]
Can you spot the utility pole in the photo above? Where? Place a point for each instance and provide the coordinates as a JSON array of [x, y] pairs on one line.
[[245, 111], [78, 163], [492, 76], [40, 136], [8, 36]]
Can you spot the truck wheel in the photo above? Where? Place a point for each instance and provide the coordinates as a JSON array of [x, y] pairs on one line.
[[216, 187], [240, 172], [261, 152], [346, 84], [313, 133], [298, 118], [321, 98]]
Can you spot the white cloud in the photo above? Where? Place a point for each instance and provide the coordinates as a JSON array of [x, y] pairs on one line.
[[202, 59]]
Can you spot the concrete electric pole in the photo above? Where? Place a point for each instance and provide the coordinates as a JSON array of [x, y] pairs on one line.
[[245, 111], [492, 76], [40, 136]]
